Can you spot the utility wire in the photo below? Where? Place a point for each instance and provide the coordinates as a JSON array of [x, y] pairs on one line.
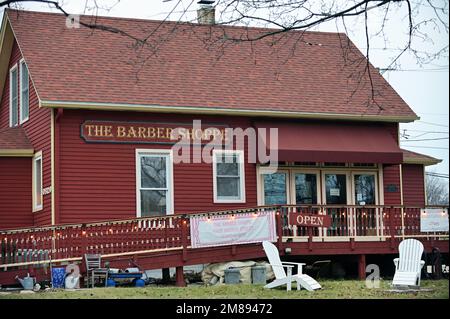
[[431, 147], [437, 175], [425, 139], [435, 124]]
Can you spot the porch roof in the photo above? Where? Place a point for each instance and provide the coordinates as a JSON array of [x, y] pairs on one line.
[[410, 157], [14, 142], [334, 142]]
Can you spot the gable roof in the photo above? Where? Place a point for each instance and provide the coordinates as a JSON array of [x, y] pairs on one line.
[[303, 74], [410, 157], [14, 142]]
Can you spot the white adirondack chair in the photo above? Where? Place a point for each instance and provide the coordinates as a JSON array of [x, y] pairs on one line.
[[409, 265], [281, 278]]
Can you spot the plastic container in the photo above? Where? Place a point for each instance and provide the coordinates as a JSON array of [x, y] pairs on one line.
[[232, 275], [259, 275], [58, 277]]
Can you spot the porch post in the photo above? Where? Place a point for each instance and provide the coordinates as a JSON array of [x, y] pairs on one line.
[[180, 277], [362, 267]]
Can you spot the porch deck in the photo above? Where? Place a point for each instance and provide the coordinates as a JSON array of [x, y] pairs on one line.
[[160, 242]]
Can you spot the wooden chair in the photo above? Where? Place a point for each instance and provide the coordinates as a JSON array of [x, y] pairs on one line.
[[94, 270], [408, 266], [281, 278]]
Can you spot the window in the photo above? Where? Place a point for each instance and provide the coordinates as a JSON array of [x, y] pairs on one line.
[[275, 190], [13, 97], [37, 182], [24, 93], [228, 171], [154, 182]]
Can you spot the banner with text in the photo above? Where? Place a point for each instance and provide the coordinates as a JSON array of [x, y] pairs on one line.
[[235, 229]]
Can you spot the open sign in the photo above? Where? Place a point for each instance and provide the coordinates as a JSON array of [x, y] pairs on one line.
[[309, 220]]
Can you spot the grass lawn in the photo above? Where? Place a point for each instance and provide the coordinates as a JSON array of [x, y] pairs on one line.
[[332, 289]]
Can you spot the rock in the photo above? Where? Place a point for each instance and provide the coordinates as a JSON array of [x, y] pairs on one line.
[[27, 292]]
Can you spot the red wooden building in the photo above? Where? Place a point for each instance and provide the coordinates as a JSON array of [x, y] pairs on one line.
[[85, 116]]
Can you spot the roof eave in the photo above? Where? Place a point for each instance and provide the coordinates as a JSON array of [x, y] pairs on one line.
[[16, 152], [224, 111], [425, 162]]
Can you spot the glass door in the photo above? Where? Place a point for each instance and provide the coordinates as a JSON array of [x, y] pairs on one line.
[[365, 194], [306, 190], [336, 192], [306, 193]]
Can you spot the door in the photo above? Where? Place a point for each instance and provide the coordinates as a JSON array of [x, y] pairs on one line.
[[154, 183], [365, 194], [336, 192], [306, 189]]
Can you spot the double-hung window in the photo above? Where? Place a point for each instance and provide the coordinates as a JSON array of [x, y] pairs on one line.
[[154, 182], [37, 182], [24, 93], [13, 97], [229, 179]]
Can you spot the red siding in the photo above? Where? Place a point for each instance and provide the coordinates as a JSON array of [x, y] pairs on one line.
[[15, 192], [37, 129], [98, 180], [391, 176], [393, 129], [413, 185]]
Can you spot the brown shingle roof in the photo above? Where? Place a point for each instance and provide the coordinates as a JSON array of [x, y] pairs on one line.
[[79, 65], [410, 157], [14, 141]]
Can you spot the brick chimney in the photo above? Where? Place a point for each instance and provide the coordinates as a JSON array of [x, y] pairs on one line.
[[206, 14]]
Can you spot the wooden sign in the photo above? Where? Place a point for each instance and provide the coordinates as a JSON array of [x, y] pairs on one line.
[[153, 133], [309, 220]]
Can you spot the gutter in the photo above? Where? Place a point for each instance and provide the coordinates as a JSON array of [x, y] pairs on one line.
[[222, 111]]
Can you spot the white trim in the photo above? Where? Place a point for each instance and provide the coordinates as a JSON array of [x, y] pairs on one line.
[[348, 187], [241, 161], [11, 70], [224, 111], [21, 64], [381, 184], [169, 178], [36, 157], [262, 171], [353, 186]]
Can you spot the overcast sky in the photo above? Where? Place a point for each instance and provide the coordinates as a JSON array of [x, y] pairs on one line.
[[424, 88]]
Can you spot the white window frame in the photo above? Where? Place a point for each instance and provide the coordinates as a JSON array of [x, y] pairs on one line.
[[241, 161], [36, 207], [348, 186], [14, 68], [21, 93], [373, 173], [169, 178], [260, 183]]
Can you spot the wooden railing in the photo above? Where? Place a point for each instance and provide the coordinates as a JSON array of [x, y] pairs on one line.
[[22, 247], [43, 245], [360, 221]]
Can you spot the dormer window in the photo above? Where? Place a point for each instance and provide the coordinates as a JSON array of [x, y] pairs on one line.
[[13, 97]]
